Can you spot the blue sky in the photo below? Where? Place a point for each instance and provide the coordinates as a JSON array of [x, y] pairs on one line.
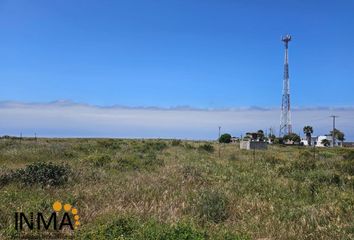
[[208, 54], [63, 62]]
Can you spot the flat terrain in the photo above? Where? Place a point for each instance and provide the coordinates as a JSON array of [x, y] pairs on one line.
[[164, 189]]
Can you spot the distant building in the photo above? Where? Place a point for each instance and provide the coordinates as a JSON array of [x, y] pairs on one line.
[[235, 139], [321, 138], [305, 142], [250, 145], [348, 144], [317, 141]]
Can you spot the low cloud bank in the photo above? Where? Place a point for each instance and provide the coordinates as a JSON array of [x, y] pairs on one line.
[[67, 119]]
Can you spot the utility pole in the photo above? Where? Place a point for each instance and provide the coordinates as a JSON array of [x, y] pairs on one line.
[[333, 129]]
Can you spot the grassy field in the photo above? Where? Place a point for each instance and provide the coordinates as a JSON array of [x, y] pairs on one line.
[[164, 189]]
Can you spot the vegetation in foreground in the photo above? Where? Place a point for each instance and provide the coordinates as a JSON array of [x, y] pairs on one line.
[[172, 189]]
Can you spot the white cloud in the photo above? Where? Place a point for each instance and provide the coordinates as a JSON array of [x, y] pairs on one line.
[[67, 119]]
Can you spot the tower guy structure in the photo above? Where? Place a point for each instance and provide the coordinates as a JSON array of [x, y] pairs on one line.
[[285, 118]]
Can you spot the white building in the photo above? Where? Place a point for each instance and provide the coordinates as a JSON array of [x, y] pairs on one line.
[[305, 142], [317, 141], [253, 145], [321, 138]]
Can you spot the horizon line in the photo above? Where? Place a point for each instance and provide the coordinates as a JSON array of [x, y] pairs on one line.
[[68, 103]]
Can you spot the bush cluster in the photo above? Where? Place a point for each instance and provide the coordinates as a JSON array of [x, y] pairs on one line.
[[273, 159], [303, 164], [207, 147], [131, 228], [113, 144], [147, 161], [192, 173], [44, 174], [151, 146], [213, 206], [188, 146], [176, 142], [99, 160], [347, 165], [225, 138]]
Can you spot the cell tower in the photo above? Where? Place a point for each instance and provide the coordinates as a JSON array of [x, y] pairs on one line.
[[285, 118]]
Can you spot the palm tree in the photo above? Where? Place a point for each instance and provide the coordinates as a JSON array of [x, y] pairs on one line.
[[260, 135], [338, 135], [308, 130]]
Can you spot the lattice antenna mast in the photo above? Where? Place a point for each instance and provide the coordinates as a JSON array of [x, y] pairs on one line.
[[285, 118]]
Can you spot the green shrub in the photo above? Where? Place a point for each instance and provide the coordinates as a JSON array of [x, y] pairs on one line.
[[112, 144], [349, 155], [134, 229], [150, 146], [292, 137], [6, 178], [306, 155], [183, 232], [191, 173], [325, 177], [206, 147], [69, 154], [156, 146], [232, 157], [273, 159], [86, 147], [278, 140], [99, 160], [327, 154], [212, 206], [129, 162], [44, 174], [303, 164], [314, 190], [122, 227], [225, 138], [150, 161], [138, 161], [176, 142], [347, 165], [336, 179], [188, 146]]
